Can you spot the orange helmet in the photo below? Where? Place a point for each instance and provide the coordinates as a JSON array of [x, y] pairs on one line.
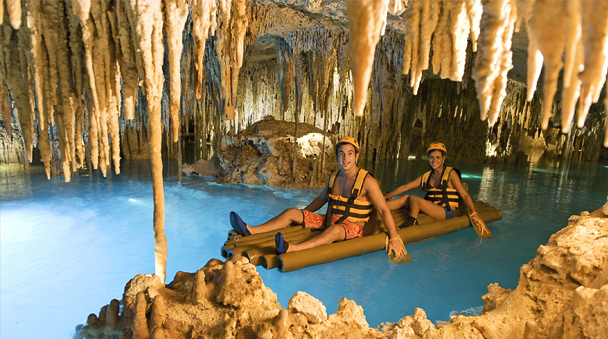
[[437, 146], [348, 140]]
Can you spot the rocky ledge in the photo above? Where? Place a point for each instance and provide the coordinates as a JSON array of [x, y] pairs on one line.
[[263, 154], [562, 293]]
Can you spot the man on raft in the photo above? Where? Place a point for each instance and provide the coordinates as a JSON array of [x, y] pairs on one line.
[[444, 190], [352, 193]]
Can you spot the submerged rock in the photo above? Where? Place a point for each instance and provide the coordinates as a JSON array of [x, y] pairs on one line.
[[263, 154], [562, 293]]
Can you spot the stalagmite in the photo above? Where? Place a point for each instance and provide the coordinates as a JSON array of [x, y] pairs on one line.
[[596, 56], [365, 24], [14, 12], [493, 60], [149, 28], [140, 321], [175, 14]]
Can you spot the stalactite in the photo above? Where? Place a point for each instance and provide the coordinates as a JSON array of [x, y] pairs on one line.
[[175, 15], [606, 120], [285, 70], [450, 40], [66, 99], [11, 69], [204, 22], [548, 34], [574, 58], [232, 26], [238, 30], [35, 54], [535, 63], [14, 12], [82, 9], [593, 76], [6, 108], [77, 106], [474, 10], [127, 59], [365, 24], [421, 21], [493, 60]]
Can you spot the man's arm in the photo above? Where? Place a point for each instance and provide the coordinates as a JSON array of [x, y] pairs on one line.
[[320, 200], [375, 195]]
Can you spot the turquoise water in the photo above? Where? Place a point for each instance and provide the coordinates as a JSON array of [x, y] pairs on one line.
[[67, 249]]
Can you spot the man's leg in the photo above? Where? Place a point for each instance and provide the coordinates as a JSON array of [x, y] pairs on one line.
[[331, 234], [288, 217]]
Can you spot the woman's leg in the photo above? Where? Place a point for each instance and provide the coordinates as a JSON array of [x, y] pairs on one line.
[[420, 205], [287, 218], [401, 202]]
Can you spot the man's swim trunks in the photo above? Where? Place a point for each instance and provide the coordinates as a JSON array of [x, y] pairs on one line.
[[314, 220]]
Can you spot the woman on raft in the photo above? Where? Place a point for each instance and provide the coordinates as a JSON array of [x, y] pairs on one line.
[[351, 193], [443, 187]]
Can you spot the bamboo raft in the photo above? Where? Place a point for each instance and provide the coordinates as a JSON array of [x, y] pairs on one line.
[[260, 248]]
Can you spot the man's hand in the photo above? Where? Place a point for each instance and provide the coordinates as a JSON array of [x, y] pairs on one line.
[[396, 245], [396, 250]]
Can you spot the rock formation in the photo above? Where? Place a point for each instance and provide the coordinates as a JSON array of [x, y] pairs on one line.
[[562, 292], [73, 67], [264, 154]]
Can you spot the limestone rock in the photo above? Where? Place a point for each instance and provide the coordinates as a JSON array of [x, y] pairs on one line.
[[263, 154], [206, 168], [417, 322], [142, 282], [311, 307]]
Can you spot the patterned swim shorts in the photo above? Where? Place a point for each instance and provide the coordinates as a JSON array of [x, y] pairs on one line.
[[317, 221]]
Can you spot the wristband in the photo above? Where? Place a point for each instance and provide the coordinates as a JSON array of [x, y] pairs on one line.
[[388, 196]]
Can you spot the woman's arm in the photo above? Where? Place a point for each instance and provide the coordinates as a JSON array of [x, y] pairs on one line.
[[404, 188], [466, 197]]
